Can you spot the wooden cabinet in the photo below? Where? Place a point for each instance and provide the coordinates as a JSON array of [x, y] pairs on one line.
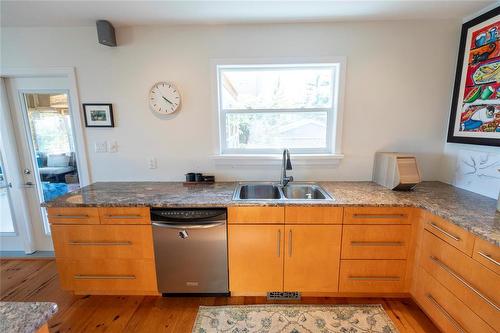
[[372, 276], [376, 241], [450, 233], [312, 254], [445, 309], [104, 250], [487, 254], [256, 215], [463, 276], [378, 215], [255, 255], [84, 215], [313, 215]]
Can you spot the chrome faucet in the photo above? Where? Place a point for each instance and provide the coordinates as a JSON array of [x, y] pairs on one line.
[[286, 164]]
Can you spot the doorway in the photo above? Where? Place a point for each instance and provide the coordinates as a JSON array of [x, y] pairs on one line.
[[47, 137]]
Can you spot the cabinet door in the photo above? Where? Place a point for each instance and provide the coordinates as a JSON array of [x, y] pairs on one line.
[[255, 258], [312, 258]]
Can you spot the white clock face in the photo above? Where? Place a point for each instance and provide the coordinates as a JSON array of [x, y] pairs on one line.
[[164, 98]]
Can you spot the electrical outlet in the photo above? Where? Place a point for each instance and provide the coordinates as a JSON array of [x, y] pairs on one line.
[[153, 163], [113, 147], [101, 147]]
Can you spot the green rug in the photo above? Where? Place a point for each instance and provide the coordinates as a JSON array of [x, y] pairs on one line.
[[274, 318]]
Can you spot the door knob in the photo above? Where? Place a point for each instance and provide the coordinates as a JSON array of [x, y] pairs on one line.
[[27, 171]]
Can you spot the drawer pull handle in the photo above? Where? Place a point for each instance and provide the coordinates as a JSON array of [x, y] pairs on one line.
[[446, 314], [123, 216], [488, 257], [455, 238], [463, 281], [379, 216], [105, 277], [126, 243], [70, 216], [290, 244], [375, 278], [377, 243], [279, 243]]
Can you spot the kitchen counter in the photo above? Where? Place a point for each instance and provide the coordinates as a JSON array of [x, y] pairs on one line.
[[473, 212], [25, 317]]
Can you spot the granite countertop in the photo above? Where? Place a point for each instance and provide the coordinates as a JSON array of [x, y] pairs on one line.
[[25, 317], [468, 210]]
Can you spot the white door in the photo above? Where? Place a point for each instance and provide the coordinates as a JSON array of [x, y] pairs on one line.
[[44, 130]]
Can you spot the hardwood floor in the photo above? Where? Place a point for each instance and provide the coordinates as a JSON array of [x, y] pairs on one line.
[[37, 280]]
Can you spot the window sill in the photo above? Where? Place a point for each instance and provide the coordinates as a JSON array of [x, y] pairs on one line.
[[331, 160]]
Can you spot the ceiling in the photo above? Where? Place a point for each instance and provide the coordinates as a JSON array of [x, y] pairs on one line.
[[128, 13]]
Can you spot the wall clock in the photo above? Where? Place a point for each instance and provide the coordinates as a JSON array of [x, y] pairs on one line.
[[164, 98]]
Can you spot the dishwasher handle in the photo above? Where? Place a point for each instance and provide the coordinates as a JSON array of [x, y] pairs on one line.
[[162, 224]]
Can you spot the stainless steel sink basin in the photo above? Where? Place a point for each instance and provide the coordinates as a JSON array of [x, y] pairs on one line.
[[273, 191], [258, 192], [305, 192]]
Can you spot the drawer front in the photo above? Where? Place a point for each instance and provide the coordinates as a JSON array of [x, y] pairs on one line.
[[487, 254], [125, 215], [450, 233], [372, 276], [256, 215], [375, 241], [467, 279], [313, 215], [377, 215], [446, 310], [107, 275], [103, 241], [83, 215]]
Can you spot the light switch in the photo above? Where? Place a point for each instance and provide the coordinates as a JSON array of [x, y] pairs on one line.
[[101, 147], [153, 163], [113, 147]]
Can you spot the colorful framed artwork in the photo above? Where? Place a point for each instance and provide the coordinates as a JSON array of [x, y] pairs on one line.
[[475, 108], [98, 115]]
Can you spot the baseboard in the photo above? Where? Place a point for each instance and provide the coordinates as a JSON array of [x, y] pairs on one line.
[[20, 255]]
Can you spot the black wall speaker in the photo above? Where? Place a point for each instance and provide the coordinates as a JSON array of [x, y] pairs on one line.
[[106, 33]]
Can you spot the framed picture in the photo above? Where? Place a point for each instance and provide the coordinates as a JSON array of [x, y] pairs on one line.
[[98, 115], [475, 107]]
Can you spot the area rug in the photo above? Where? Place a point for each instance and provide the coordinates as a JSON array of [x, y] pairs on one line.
[[274, 318]]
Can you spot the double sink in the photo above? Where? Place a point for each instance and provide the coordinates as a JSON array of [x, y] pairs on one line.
[[274, 191]]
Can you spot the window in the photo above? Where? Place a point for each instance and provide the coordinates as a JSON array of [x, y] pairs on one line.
[[265, 108]]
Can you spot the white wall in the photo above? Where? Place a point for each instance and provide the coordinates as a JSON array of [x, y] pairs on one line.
[[398, 87]]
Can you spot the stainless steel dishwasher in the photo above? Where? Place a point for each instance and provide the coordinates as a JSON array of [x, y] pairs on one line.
[[190, 251]]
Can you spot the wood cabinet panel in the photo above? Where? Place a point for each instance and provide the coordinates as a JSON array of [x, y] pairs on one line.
[[73, 215], [313, 215], [312, 258], [372, 276], [467, 279], [254, 215], [255, 255], [446, 310], [124, 215], [378, 215], [376, 241], [487, 254], [107, 275], [103, 241], [452, 234]]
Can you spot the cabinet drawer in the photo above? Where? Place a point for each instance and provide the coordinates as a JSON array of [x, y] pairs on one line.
[[103, 241], [375, 241], [124, 215], [452, 234], [446, 310], [77, 215], [467, 279], [487, 254], [253, 215], [107, 275], [372, 276], [377, 215], [313, 215]]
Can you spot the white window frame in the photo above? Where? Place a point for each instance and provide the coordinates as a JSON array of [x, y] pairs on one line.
[[334, 118]]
